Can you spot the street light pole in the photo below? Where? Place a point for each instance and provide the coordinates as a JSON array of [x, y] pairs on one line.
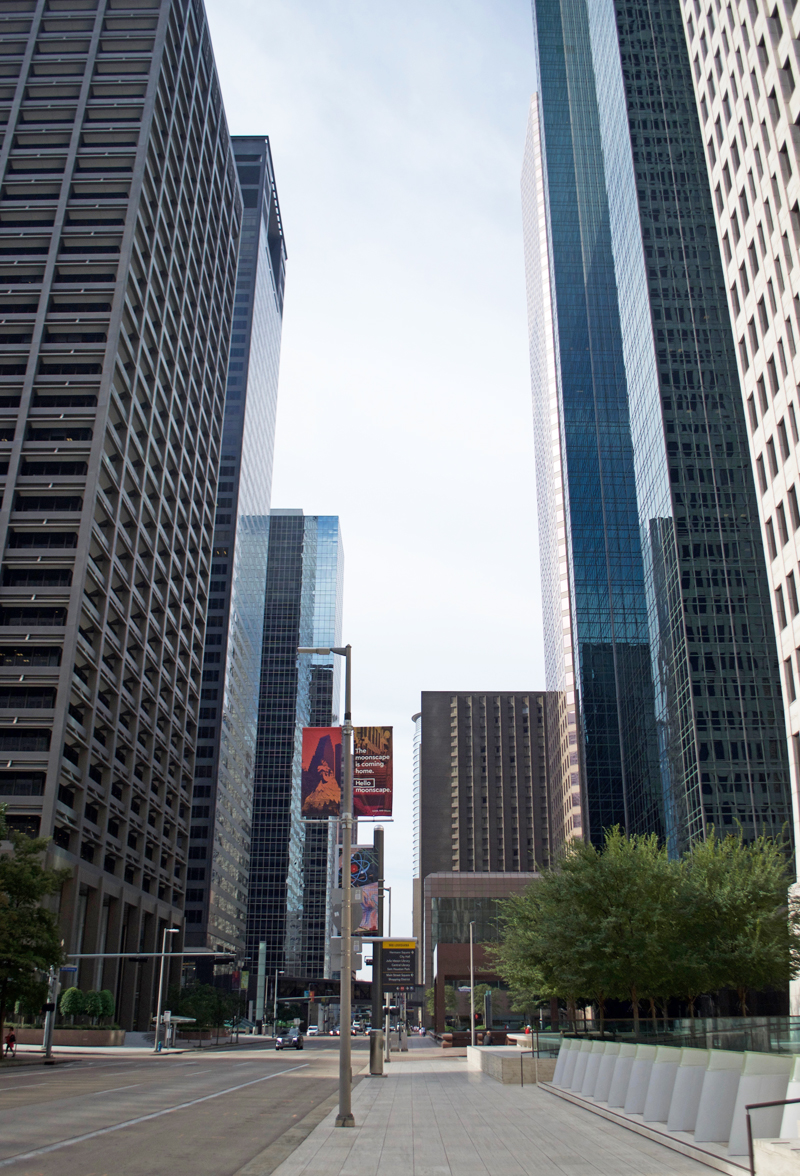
[[167, 931], [345, 1116], [278, 972], [471, 987]]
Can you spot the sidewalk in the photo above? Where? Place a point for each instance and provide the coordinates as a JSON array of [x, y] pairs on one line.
[[436, 1118]]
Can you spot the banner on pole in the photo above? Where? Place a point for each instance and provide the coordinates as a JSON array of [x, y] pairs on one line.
[[364, 873], [372, 772], [321, 783]]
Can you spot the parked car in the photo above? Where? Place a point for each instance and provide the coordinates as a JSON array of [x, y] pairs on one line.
[[289, 1040]]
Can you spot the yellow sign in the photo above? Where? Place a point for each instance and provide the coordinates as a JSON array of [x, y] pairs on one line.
[[400, 944]]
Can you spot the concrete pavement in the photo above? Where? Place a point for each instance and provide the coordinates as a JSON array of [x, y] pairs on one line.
[[436, 1118]]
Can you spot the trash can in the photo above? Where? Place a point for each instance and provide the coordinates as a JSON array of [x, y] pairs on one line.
[[376, 1053]]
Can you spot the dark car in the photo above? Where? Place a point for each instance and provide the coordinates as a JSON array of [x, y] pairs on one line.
[[289, 1041]]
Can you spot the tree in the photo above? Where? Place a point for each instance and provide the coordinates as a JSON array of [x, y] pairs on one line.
[[108, 1003], [749, 924], [72, 1003], [93, 1005], [29, 939], [210, 1006]]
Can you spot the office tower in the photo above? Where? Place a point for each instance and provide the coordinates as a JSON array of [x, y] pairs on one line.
[[292, 860], [216, 896], [744, 64], [416, 880], [120, 214], [482, 826], [651, 552]]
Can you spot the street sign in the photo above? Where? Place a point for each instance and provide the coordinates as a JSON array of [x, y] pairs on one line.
[[398, 964]]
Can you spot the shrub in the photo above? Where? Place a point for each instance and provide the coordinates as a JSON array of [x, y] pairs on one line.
[[93, 1005], [72, 1002]]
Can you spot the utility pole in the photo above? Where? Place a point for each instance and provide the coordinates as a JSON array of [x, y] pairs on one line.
[[345, 1115], [377, 994]]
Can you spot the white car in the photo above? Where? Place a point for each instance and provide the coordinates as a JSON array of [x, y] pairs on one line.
[[312, 1031]]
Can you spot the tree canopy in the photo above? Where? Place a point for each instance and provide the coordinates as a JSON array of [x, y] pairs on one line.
[[29, 939], [625, 922]]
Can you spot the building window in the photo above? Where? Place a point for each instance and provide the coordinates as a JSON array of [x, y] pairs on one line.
[[773, 458], [794, 604], [751, 408], [762, 473], [771, 544], [790, 683], [794, 507], [783, 530], [780, 608]]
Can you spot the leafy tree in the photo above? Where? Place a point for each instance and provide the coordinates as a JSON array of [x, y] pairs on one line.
[[627, 921], [430, 1000], [29, 939], [749, 924], [72, 1003], [93, 1005], [108, 1003], [210, 1006]]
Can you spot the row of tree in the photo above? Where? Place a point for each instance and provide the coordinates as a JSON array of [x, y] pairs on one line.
[[97, 1005], [626, 922]]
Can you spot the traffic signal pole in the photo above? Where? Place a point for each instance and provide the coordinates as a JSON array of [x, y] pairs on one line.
[[377, 994]]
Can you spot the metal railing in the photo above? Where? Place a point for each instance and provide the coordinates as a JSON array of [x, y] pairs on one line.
[[781, 1102]]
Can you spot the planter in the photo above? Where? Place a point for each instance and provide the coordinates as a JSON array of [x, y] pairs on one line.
[[76, 1037]]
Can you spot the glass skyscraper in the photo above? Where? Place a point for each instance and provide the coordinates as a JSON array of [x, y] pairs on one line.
[[658, 622], [292, 861], [216, 896]]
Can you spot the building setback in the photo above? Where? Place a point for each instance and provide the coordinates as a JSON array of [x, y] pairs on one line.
[[292, 861], [661, 614], [119, 220], [219, 852], [744, 64]]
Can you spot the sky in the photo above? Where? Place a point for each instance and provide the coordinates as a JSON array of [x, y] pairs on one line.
[[397, 133]]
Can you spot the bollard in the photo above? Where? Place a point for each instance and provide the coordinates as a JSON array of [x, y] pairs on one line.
[[376, 1053]]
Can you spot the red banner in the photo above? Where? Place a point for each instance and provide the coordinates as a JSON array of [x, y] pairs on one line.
[[321, 785], [372, 772]]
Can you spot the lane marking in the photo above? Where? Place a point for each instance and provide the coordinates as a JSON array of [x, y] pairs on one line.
[[43, 1151], [112, 1089]]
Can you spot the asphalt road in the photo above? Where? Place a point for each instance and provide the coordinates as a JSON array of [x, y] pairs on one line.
[[183, 1115]]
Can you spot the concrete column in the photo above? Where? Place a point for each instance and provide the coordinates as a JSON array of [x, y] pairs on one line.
[[561, 1060], [639, 1081], [790, 1123], [605, 1072], [593, 1068], [718, 1097], [570, 1063], [765, 1078], [662, 1083], [579, 1073], [622, 1075], [688, 1087]]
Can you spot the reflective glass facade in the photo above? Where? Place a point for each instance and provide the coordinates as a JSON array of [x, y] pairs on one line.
[[223, 787], [661, 577], [292, 860]]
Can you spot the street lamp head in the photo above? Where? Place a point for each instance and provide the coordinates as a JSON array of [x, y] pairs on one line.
[[321, 652]]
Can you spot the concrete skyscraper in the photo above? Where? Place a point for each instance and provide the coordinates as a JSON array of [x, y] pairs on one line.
[[744, 61], [292, 860], [216, 896], [658, 615], [120, 213]]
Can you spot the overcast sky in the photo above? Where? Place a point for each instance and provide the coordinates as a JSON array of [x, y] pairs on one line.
[[397, 133]]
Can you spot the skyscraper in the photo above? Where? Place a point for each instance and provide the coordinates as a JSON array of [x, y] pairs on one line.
[[482, 820], [292, 861], [216, 897], [657, 601], [745, 66], [120, 213]]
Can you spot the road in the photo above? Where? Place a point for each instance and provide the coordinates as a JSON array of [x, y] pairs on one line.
[[185, 1114]]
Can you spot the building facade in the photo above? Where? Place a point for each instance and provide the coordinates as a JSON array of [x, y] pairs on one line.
[[744, 63], [120, 213], [219, 851], [651, 527], [481, 815], [292, 860]]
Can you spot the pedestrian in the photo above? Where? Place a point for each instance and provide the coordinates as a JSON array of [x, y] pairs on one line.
[[487, 1037], [11, 1044]]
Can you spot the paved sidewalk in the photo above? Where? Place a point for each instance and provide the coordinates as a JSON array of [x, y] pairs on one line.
[[437, 1118]]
